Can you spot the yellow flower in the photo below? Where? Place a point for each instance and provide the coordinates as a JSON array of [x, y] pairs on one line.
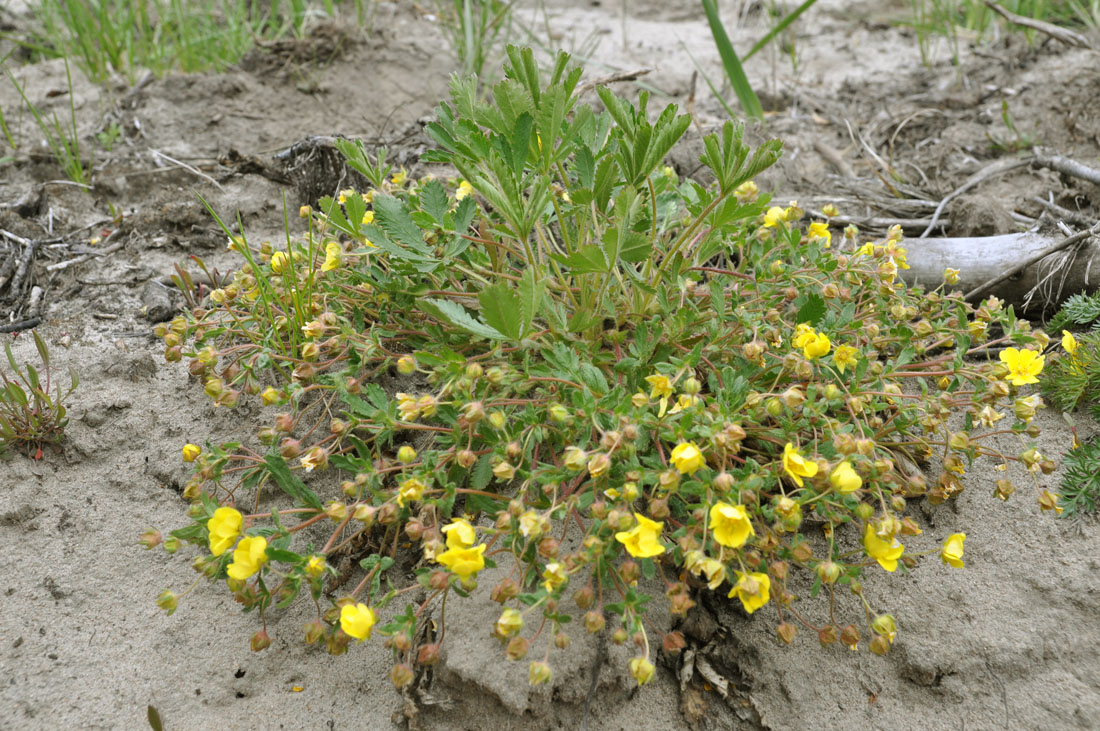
[[989, 416], [427, 405], [813, 344], [685, 401], [796, 465], [845, 357], [249, 556], [731, 524], [345, 194], [224, 527], [191, 452], [888, 270], [532, 525], [411, 490], [279, 262], [334, 256], [952, 551], [504, 471], [687, 458], [368, 219], [774, 216], [844, 478], [885, 625], [886, 553], [270, 396], [867, 249], [746, 191], [357, 621], [830, 210], [641, 669], [407, 407], [715, 571], [315, 566], [463, 562], [951, 276], [509, 623], [641, 540], [400, 177], [820, 230], [304, 211], [661, 388], [753, 589], [464, 189], [314, 459], [555, 576], [1023, 365], [803, 334], [1069, 342], [460, 534]]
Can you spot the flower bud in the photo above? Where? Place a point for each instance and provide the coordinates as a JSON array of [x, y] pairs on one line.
[[658, 508], [850, 636], [505, 590], [630, 571], [673, 642], [406, 454], [778, 569], [599, 464], [314, 630], [260, 641], [548, 547], [473, 411], [495, 375], [880, 645], [517, 648], [558, 414], [619, 636], [401, 675], [594, 621], [428, 655], [406, 365], [290, 448], [802, 552], [387, 514], [150, 539], [828, 572], [786, 632], [561, 640], [539, 673], [168, 601], [584, 597], [827, 635]]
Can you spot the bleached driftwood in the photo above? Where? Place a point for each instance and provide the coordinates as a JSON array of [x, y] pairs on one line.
[[1076, 268]]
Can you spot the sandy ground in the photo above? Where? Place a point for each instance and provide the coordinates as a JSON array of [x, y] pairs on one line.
[[1007, 643]]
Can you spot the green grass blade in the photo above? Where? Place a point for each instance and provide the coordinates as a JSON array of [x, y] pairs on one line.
[[734, 72], [779, 28]]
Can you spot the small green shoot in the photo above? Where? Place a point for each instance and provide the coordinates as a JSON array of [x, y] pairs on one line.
[[62, 139], [29, 415]]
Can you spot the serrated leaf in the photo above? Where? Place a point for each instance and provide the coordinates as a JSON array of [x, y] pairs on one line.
[[587, 259], [356, 208], [457, 315], [289, 483], [434, 200], [393, 219], [500, 308], [531, 290], [812, 310], [483, 472]]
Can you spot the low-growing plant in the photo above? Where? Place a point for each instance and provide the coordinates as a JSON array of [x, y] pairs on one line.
[[602, 379], [1080, 491], [30, 416]]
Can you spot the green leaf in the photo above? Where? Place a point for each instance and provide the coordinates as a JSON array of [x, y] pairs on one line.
[[434, 201], [393, 219], [484, 503], [531, 291], [289, 483], [812, 310], [732, 65], [500, 307], [457, 315], [483, 473], [153, 715], [587, 259]]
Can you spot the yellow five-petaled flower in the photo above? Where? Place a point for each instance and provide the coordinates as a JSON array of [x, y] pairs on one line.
[[885, 552], [460, 534], [224, 527], [731, 524], [1069, 342], [357, 620], [844, 478], [687, 458], [250, 555], [641, 540], [753, 589], [796, 465], [845, 357], [463, 562], [813, 343], [952, 551], [1023, 365]]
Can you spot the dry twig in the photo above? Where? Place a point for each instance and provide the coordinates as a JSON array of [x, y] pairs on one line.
[[1058, 33], [1052, 249]]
